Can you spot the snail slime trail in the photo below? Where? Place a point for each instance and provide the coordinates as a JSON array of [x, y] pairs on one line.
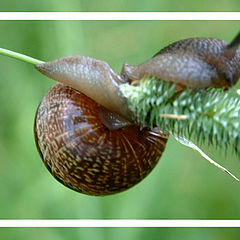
[[100, 154], [85, 155]]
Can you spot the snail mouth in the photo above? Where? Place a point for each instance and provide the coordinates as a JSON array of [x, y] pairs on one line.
[[224, 81]]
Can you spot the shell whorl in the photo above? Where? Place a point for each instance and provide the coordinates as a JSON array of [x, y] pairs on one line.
[[86, 156]]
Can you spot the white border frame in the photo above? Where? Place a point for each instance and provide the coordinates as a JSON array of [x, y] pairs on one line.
[[120, 16], [120, 223]]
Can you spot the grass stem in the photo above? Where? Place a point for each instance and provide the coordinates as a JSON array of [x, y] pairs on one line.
[[20, 56]]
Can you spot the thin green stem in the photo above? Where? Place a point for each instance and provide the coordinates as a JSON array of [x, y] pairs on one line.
[[20, 56]]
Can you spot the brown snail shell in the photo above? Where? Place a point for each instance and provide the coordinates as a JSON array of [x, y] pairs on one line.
[[83, 153]]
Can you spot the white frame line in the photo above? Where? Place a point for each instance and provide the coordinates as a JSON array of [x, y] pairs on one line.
[[119, 16], [121, 223]]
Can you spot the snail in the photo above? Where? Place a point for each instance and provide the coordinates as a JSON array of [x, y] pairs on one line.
[[85, 133], [193, 62], [87, 139]]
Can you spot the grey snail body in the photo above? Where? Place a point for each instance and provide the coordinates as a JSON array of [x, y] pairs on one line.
[[84, 131], [194, 62], [94, 78]]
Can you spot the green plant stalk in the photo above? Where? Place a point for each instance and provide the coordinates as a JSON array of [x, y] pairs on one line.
[[207, 115], [20, 56]]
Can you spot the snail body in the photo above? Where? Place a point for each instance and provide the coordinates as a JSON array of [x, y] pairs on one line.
[[194, 62], [93, 77], [81, 152]]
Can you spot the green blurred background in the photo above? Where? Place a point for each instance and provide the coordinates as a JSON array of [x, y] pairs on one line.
[[123, 233], [182, 186], [121, 5]]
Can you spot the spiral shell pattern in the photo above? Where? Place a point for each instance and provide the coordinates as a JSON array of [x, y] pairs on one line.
[[86, 156]]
